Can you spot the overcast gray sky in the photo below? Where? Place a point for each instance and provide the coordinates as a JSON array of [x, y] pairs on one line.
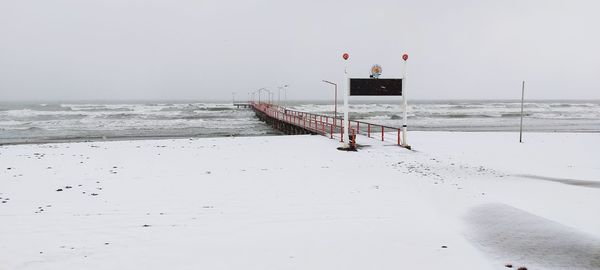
[[193, 49]]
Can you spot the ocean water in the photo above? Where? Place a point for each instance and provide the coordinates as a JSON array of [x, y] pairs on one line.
[[28, 122]]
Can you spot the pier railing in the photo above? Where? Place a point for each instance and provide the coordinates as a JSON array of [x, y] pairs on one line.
[[330, 126]]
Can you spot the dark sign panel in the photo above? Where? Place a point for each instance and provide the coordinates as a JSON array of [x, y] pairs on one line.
[[375, 87]]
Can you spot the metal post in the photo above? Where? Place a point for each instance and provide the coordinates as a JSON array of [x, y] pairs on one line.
[[279, 96], [285, 95], [331, 132], [346, 93], [270, 97], [335, 107], [404, 105], [334, 101], [522, 101]]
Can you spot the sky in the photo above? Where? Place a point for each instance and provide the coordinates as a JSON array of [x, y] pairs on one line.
[[207, 50]]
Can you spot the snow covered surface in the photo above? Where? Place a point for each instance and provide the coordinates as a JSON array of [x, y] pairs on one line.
[[459, 201]]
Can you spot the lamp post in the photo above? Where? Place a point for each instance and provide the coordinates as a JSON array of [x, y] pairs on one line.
[[259, 93], [285, 94], [334, 104], [279, 95], [284, 87], [269, 95], [233, 97]]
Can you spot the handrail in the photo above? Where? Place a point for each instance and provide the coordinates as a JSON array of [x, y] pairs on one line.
[[321, 124]]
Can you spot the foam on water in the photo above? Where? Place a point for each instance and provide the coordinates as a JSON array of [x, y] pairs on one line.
[[47, 122]]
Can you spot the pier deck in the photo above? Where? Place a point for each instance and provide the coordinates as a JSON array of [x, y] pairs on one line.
[[297, 122]]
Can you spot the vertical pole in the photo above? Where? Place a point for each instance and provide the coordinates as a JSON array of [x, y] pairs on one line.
[[335, 107], [285, 95], [346, 93], [522, 101], [404, 104], [331, 132]]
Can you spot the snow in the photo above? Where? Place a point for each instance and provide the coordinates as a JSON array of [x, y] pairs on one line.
[[295, 202]]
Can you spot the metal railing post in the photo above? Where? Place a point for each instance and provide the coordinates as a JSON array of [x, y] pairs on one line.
[[331, 132]]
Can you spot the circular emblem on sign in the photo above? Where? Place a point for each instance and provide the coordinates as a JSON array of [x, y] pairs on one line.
[[376, 71], [405, 57], [346, 56]]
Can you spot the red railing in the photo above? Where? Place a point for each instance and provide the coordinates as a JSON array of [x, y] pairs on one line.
[[327, 125]]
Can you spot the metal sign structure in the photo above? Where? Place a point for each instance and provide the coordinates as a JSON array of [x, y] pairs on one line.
[[376, 87]]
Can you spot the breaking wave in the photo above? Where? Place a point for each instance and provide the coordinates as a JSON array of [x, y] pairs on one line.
[[27, 122]]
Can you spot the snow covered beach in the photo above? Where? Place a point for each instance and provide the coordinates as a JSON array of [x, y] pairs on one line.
[[459, 201]]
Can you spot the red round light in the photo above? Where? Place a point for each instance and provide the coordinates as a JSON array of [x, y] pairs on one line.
[[405, 57], [346, 56]]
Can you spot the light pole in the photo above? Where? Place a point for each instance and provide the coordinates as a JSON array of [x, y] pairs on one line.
[[285, 94], [334, 104], [233, 97], [279, 95], [259, 93], [269, 95]]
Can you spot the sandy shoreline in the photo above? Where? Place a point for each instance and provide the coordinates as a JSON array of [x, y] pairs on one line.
[[294, 202]]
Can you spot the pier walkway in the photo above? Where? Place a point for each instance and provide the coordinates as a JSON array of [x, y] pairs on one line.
[[297, 122]]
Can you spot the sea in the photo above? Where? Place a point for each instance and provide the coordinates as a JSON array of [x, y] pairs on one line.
[[91, 121]]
